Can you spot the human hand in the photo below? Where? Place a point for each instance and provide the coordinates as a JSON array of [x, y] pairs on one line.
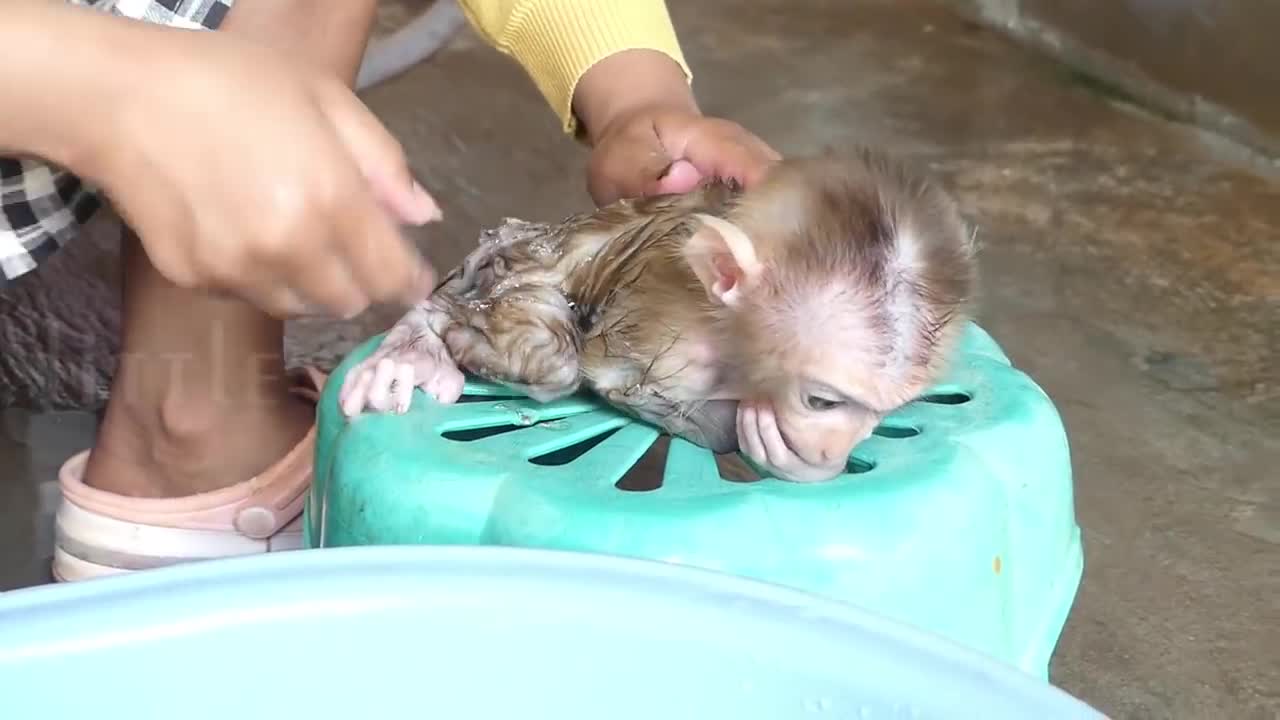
[[244, 170], [656, 150], [649, 137]]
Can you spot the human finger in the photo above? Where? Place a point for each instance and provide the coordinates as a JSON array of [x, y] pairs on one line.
[[355, 390], [383, 262], [268, 295], [630, 164], [719, 148], [380, 157], [326, 284], [729, 157], [681, 177]]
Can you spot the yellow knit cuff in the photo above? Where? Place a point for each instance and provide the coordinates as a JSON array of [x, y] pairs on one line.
[[557, 41]]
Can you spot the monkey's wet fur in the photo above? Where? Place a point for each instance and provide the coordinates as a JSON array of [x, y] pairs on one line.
[[783, 321]]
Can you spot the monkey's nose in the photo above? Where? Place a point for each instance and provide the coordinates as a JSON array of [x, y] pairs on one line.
[[835, 454]]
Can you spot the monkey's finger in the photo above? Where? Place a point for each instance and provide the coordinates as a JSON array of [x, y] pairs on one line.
[[446, 383], [402, 388], [749, 434], [348, 383], [355, 390], [775, 447], [384, 374]]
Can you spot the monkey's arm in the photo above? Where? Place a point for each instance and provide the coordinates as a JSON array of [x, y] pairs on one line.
[[708, 423]]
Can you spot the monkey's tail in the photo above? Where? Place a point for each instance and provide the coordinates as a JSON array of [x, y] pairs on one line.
[[416, 41]]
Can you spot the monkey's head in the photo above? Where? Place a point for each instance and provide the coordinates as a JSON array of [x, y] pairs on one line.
[[840, 286]]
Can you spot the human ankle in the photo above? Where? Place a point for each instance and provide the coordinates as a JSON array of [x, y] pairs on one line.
[[183, 443], [199, 400]]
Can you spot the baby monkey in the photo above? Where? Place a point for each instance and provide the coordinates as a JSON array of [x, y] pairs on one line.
[[782, 321]]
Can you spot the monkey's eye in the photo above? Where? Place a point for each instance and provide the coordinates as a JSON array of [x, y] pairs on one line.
[[817, 402]]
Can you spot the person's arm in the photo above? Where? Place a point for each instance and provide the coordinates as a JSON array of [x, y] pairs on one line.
[[558, 41], [330, 34], [288, 165], [48, 94], [627, 83], [614, 73]]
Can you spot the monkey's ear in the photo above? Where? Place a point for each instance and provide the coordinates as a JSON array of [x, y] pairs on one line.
[[723, 258]]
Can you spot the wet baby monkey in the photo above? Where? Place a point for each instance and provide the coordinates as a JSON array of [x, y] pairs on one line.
[[782, 321]]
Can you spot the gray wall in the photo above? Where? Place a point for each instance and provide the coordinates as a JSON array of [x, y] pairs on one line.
[[1216, 62]]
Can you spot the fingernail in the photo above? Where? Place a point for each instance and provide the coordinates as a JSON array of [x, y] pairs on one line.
[[428, 210]]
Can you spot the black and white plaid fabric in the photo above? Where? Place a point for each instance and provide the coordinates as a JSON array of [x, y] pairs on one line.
[[43, 208]]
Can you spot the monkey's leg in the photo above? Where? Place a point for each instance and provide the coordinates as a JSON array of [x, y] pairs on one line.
[[526, 338]]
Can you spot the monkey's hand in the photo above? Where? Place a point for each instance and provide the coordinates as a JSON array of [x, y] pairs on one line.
[[411, 355], [760, 439]]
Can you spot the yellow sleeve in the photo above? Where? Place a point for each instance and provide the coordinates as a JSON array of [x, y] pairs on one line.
[[557, 41]]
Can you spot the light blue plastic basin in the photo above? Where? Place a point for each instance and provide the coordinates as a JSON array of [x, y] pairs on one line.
[[480, 633]]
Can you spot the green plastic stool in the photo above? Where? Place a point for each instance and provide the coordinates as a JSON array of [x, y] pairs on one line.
[[957, 516]]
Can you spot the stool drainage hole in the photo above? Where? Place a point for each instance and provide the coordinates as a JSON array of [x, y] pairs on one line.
[[948, 397], [651, 477]]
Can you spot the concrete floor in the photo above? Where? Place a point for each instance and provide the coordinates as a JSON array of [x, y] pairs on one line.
[[1131, 266]]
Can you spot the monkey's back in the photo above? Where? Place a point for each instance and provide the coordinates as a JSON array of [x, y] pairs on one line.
[[643, 315], [637, 297]]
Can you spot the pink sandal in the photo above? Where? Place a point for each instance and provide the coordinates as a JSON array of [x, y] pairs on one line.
[[101, 533]]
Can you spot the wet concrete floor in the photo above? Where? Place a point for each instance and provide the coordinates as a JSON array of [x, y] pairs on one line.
[[1131, 266]]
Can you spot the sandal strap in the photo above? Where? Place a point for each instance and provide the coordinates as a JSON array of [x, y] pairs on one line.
[[100, 532]]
